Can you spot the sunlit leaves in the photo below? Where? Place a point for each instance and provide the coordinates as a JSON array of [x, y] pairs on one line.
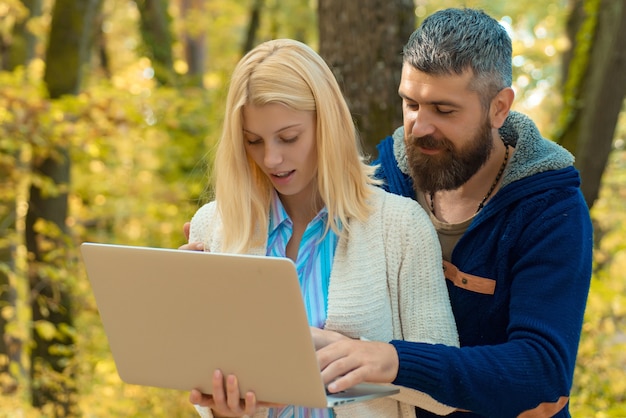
[[599, 384], [139, 159], [537, 29], [46, 329]]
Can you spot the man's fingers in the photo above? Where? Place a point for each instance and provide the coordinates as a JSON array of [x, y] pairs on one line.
[[337, 361], [346, 363], [322, 337], [345, 382], [332, 353], [344, 373]]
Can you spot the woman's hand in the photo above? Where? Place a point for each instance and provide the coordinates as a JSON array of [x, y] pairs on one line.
[[225, 401], [190, 246]]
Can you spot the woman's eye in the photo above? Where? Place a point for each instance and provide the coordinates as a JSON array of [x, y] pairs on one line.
[[290, 139], [254, 141]]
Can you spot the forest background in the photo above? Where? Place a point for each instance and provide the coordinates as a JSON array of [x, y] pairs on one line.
[[109, 111]]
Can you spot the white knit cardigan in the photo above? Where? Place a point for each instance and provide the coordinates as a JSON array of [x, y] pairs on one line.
[[386, 283]]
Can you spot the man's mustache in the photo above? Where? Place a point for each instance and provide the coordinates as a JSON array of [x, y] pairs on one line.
[[428, 141]]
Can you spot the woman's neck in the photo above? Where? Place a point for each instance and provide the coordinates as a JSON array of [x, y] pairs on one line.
[[302, 210]]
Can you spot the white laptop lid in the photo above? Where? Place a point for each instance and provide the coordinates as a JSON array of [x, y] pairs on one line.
[[172, 317]]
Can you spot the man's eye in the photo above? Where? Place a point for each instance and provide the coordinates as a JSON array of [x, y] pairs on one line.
[[444, 111]]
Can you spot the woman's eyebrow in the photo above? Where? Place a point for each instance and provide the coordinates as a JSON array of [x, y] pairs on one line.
[[295, 125]]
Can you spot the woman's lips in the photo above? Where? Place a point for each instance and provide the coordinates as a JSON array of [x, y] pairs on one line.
[[283, 177]]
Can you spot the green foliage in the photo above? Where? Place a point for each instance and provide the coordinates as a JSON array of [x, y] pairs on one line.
[[139, 161], [20, 101], [537, 30], [578, 68], [143, 175], [12, 12], [137, 175], [600, 378]]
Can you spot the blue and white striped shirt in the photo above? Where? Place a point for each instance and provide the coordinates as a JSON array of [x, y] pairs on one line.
[[313, 264]]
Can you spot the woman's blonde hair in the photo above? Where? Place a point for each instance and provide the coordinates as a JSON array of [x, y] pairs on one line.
[[291, 73]]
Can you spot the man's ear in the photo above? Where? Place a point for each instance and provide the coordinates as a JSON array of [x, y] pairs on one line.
[[500, 107]]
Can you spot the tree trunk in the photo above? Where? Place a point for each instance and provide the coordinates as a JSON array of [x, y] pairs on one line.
[[253, 26], [100, 44], [10, 342], [22, 42], [52, 381], [157, 38], [12, 370], [18, 44], [595, 87], [362, 42], [195, 41], [10, 346]]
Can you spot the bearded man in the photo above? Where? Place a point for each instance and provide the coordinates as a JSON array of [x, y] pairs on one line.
[[513, 226]]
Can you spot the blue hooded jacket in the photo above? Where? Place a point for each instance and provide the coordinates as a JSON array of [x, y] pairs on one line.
[[534, 242]]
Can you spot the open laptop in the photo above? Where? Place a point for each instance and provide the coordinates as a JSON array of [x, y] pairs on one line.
[[172, 317]]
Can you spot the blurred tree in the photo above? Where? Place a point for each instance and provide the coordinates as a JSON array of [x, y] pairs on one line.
[[362, 42], [157, 38], [194, 39], [8, 296], [10, 344], [256, 7], [18, 49], [53, 337], [18, 45], [594, 86], [100, 46]]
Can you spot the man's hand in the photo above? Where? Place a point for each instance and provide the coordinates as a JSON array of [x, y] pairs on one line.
[[348, 362], [322, 337]]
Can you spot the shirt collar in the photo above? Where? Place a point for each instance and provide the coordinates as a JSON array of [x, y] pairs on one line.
[[278, 214]]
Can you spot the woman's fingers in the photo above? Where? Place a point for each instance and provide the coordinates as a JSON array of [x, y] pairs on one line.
[[192, 246]]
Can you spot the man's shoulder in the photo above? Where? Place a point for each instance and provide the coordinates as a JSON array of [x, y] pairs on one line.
[[534, 154], [545, 182]]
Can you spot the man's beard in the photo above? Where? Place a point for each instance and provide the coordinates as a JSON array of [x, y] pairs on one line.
[[451, 168]]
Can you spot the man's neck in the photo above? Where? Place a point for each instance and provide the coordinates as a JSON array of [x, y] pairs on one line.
[[455, 206]]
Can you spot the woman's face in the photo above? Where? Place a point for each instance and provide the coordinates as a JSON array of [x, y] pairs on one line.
[[281, 141]]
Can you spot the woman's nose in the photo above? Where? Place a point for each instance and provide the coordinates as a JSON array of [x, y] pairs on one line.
[[273, 155]]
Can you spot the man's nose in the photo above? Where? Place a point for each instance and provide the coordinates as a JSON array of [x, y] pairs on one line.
[[422, 124]]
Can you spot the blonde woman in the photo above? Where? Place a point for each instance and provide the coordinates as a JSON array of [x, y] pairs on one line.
[[290, 182]]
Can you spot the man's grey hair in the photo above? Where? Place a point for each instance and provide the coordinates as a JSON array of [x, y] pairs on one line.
[[451, 41]]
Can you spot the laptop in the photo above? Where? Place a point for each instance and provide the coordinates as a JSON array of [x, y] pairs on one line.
[[172, 317]]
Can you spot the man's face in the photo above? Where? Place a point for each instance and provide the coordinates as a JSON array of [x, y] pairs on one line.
[[448, 135]]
